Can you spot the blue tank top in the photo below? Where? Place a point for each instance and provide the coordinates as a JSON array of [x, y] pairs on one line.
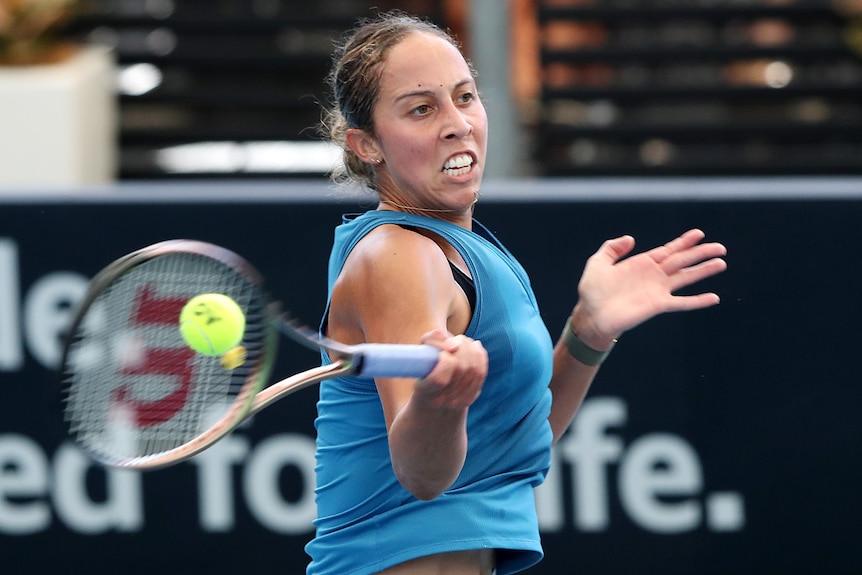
[[367, 521]]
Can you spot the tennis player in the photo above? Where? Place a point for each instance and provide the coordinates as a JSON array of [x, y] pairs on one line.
[[436, 475]]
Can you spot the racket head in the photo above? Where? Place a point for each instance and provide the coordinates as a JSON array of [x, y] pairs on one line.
[[133, 394]]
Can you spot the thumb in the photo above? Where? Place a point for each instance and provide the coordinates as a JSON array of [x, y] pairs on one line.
[[615, 249]]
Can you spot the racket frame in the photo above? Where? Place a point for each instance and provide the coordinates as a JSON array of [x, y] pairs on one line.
[[242, 405], [371, 360]]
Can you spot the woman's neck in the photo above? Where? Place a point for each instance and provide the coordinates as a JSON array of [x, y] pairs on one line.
[[453, 215]]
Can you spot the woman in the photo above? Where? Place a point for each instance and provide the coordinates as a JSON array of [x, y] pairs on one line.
[[436, 475]]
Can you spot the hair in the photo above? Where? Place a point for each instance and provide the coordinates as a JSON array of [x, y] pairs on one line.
[[354, 83]]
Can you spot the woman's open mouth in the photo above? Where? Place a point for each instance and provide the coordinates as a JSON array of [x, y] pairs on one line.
[[458, 165]]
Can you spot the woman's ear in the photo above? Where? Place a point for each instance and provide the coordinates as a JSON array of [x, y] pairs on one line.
[[364, 146]]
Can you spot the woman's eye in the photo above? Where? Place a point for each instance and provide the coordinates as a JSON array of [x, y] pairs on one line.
[[421, 110], [467, 97]]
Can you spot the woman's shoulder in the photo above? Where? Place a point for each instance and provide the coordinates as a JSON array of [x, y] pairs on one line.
[[392, 274], [396, 243]]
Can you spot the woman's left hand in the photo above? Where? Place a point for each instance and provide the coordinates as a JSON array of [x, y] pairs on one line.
[[616, 293]]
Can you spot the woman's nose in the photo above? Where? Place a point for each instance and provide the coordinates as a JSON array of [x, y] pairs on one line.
[[457, 125]]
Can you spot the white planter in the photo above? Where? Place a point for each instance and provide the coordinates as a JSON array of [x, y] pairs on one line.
[[58, 122]]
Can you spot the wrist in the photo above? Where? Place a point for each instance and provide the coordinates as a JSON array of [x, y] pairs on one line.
[[582, 351]]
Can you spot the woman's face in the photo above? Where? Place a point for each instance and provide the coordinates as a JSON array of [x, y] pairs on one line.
[[430, 126]]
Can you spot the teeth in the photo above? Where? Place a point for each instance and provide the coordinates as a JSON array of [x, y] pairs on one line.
[[458, 165], [458, 162]]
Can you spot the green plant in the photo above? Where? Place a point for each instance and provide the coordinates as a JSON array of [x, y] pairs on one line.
[[29, 30]]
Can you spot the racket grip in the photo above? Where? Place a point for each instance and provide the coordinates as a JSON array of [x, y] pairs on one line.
[[396, 360]]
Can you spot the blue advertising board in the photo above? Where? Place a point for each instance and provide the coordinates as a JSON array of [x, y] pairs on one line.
[[726, 440]]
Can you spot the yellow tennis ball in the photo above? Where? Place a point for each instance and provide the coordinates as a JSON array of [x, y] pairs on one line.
[[212, 323]]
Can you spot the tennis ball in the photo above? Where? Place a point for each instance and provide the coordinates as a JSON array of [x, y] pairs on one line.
[[212, 323]]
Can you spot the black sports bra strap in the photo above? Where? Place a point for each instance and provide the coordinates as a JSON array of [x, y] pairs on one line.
[[466, 283]]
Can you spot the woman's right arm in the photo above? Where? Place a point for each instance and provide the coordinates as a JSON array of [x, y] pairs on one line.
[[397, 287]]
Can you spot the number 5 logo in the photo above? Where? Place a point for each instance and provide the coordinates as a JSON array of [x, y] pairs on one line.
[[173, 367]]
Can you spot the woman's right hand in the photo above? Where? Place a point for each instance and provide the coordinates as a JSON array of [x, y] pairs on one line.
[[458, 377]]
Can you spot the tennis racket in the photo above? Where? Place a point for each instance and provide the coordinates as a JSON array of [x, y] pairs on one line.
[[134, 395]]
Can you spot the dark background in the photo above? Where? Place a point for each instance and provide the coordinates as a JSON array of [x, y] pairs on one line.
[[764, 387]]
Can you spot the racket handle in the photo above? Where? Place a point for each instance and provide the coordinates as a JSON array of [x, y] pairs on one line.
[[396, 360]]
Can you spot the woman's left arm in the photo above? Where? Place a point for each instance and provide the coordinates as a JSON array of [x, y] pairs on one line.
[[617, 293]]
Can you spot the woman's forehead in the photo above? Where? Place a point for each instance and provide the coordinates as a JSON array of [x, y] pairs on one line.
[[426, 59]]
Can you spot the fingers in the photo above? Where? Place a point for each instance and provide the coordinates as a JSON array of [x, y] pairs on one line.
[[660, 253], [685, 241], [693, 302], [686, 250], [688, 239], [692, 274], [443, 340], [695, 256], [457, 380], [695, 273], [619, 295], [675, 255]]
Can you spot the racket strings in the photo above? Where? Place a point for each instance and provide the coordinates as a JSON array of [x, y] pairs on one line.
[[134, 389]]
